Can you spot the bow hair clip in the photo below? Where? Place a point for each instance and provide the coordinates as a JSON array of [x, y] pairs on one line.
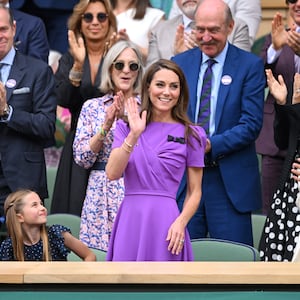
[[179, 140]]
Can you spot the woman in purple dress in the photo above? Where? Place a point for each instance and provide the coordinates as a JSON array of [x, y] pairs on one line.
[[153, 149]]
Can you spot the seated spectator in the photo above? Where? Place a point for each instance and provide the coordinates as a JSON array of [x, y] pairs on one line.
[[29, 238]]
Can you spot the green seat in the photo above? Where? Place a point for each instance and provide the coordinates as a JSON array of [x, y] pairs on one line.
[[100, 255], [68, 220], [208, 249], [258, 223], [51, 176]]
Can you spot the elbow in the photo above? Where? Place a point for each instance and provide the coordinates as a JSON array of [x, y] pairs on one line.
[[111, 175]]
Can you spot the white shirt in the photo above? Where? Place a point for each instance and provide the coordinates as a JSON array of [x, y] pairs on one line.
[[138, 30], [217, 69]]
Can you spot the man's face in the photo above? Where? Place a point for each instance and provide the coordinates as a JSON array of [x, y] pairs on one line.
[[211, 29], [294, 10], [7, 33], [188, 7]]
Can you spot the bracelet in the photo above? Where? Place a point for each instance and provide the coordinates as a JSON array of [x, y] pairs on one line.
[[75, 75], [125, 149], [75, 83], [102, 133], [127, 144]]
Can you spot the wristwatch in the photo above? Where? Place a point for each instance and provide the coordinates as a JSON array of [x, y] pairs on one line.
[[5, 112]]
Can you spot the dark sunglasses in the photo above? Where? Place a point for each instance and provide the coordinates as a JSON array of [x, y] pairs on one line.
[[292, 1], [88, 17], [119, 65]]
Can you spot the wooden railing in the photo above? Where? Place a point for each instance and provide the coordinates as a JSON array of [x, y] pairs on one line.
[[193, 273]]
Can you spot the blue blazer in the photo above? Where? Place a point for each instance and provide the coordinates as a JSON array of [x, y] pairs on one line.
[[52, 4], [30, 91], [31, 36], [239, 116]]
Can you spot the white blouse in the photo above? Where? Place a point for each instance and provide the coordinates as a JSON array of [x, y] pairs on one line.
[[138, 30]]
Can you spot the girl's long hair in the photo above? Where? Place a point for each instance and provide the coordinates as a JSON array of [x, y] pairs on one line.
[[14, 205]]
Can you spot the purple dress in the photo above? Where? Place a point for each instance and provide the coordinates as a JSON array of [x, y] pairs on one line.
[[152, 177]]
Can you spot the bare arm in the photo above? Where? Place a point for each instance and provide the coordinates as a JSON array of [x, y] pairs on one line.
[[78, 247], [191, 203]]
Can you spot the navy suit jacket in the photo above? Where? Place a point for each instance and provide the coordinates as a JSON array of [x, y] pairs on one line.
[[31, 36], [30, 92], [239, 115], [52, 4]]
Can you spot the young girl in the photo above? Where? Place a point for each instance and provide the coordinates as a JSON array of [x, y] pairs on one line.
[[29, 238]]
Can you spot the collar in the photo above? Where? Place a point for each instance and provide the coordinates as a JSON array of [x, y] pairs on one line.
[[220, 59], [186, 21], [9, 58]]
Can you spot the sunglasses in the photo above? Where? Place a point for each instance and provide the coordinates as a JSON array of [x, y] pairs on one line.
[[101, 17], [119, 65], [292, 1]]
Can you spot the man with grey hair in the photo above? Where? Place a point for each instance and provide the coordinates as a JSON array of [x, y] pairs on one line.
[[173, 36]]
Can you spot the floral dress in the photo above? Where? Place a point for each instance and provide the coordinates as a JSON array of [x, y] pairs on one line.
[[103, 196]]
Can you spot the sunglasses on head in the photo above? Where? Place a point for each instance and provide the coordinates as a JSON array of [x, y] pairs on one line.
[[292, 1], [88, 17], [119, 65]]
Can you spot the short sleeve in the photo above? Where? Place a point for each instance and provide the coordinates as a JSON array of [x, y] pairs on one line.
[[57, 243], [196, 148], [121, 131], [6, 250]]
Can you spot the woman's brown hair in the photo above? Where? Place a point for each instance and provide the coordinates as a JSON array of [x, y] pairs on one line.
[[74, 22], [139, 5]]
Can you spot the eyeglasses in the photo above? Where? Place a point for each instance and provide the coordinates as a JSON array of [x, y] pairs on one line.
[[119, 65], [101, 17], [292, 1]]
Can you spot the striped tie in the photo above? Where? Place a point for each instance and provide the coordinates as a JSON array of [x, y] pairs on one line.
[[204, 111]]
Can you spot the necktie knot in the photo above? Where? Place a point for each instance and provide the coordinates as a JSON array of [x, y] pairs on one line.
[[210, 62]]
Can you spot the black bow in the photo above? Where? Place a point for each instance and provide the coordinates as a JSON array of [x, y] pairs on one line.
[[176, 139]]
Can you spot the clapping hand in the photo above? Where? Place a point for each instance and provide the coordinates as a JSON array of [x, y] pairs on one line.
[[137, 121], [77, 48], [183, 40], [294, 40], [115, 110], [278, 32], [296, 88], [277, 88], [3, 101]]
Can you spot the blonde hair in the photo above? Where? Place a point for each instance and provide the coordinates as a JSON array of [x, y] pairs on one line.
[[107, 84], [13, 206]]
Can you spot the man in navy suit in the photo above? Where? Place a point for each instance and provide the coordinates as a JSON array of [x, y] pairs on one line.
[[231, 182], [27, 115], [31, 36], [55, 14]]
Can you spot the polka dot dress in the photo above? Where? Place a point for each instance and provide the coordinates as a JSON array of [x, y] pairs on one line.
[[35, 252], [282, 227]]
